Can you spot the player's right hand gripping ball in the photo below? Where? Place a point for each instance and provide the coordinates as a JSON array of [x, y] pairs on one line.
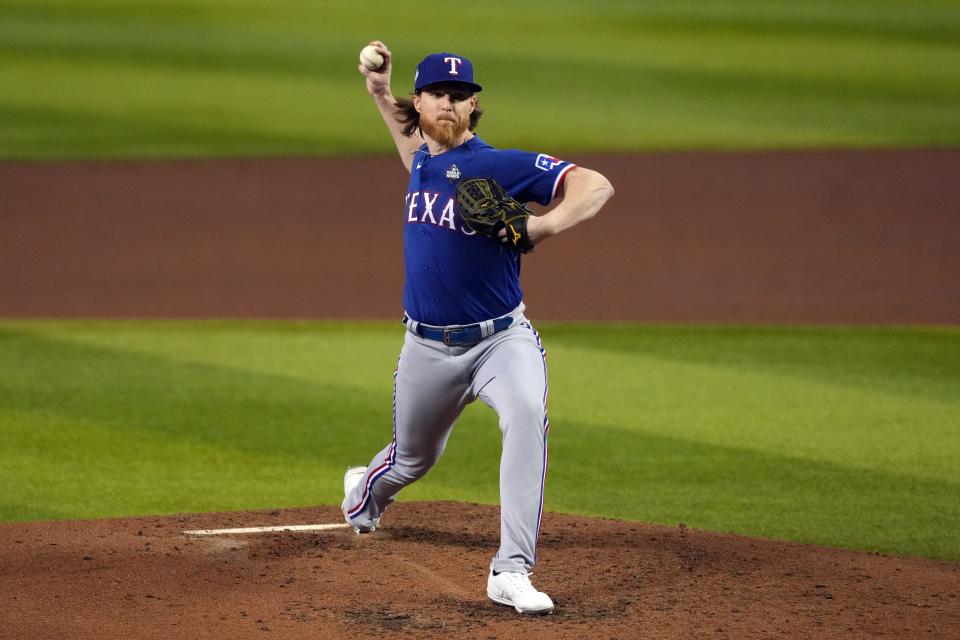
[[487, 208]]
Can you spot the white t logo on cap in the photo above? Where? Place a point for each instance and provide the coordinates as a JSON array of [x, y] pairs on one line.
[[454, 62]]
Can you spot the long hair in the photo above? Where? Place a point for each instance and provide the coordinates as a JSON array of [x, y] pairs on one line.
[[409, 117]]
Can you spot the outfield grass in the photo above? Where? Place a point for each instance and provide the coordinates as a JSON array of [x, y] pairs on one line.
[[836, 436], [122, 78]]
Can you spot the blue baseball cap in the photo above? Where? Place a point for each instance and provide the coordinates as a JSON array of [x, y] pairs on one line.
[[444, 67]]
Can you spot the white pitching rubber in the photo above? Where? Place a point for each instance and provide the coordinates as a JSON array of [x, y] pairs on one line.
[[245, 530]]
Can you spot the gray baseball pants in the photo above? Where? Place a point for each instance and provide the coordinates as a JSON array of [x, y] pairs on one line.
[[432, 385]]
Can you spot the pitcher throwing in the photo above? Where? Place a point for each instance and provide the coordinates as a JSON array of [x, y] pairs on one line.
[[465, 228]]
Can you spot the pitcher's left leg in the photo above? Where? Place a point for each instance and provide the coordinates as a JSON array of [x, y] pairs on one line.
[[512, 379]]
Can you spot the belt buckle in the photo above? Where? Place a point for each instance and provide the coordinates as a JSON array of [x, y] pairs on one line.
[[446, 337]]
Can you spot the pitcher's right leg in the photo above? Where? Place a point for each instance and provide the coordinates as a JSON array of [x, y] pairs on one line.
[[430, 392]]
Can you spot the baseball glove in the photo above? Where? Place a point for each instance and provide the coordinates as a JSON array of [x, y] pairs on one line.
[[487, 208]]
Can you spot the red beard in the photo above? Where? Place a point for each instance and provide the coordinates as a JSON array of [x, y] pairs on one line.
[[445, 132]]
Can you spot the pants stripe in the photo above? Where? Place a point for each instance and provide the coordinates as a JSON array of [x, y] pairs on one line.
[[388, 461], [546, 428]]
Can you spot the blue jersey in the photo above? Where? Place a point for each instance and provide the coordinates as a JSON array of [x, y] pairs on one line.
[[452, 274]]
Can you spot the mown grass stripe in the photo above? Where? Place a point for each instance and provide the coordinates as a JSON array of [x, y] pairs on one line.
[[844, 436], [729, 74]]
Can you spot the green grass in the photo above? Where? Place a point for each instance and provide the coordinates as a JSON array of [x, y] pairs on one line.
[[122, 78], [845, 436]]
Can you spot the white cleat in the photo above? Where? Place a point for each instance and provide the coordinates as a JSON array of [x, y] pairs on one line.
[[515, 590], [351, 479]]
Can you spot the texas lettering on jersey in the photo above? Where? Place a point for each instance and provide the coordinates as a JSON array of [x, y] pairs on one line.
[[452, 274], [422, 207]]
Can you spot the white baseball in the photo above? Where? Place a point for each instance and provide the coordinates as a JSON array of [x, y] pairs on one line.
[[371, 58]]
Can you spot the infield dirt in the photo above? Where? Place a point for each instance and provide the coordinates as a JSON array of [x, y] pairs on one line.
[[786, 237], [424, 575]]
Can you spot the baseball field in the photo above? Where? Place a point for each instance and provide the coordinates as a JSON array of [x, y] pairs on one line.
[[754, 351]]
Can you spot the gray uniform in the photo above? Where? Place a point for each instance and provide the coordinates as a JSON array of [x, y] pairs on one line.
[[432, 384]]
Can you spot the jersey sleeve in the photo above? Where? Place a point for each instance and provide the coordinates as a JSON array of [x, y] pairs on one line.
[[530, 177]]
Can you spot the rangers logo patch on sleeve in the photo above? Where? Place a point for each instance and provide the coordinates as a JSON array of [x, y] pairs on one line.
[[547, 163]]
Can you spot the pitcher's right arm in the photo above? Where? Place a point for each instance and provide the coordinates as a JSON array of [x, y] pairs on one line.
[[378, 86]]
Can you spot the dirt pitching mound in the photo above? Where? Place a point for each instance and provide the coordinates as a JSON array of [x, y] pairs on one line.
[[424, 575]]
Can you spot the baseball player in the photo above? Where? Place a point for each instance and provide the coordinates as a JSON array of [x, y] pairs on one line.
[[466, 333]]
